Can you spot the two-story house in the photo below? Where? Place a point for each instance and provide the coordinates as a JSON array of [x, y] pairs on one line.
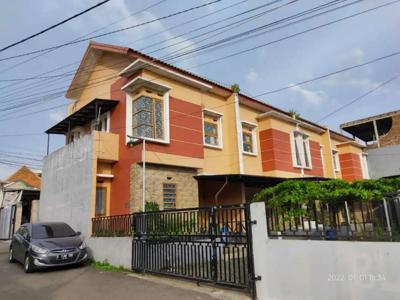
[[140, 129]]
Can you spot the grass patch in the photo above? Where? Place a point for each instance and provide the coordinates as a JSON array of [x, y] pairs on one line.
[[105, 266]]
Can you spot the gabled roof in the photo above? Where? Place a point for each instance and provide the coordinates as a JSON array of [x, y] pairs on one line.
[[94, 50], [27, 176]]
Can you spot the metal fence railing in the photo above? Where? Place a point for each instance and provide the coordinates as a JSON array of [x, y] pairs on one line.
[[120, 225], [347, 220]]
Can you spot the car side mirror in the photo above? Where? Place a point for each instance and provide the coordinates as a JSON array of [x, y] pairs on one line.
[[78, 233]]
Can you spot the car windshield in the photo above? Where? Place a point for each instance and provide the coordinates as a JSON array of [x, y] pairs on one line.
[[46, 231]]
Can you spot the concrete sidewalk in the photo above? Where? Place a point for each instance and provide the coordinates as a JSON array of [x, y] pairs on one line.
[[90, 283]]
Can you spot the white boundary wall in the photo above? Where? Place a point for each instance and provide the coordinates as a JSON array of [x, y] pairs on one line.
[[67, 181], [116, 250], [309, 269]]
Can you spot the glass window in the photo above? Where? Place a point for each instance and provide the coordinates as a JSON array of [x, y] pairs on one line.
[[301, 147], [100, 201], [248, 142], [55, 230], [147, 118], [336, 164], [211, 133], [169, 195], [248, 137]]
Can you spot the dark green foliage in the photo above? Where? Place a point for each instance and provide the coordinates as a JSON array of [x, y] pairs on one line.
[[235, 88], [291, 195], [151, 206]]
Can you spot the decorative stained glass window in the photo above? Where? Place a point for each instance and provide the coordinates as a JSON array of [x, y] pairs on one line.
[[169, 195], [147, 118]]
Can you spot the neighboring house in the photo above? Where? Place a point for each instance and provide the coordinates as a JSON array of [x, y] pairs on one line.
[[205, 144], [19, 200], [381, 135]]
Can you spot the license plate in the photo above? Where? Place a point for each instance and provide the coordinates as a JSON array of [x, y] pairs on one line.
[[64, 256]]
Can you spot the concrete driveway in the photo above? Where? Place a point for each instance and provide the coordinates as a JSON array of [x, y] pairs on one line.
[[84, 283]]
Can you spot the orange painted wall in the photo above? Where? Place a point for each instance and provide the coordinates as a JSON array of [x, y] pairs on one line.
[[276, 153], [316, 161], [350, 166], [186, 139]]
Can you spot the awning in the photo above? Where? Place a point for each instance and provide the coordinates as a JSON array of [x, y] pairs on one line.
[[83, 116]]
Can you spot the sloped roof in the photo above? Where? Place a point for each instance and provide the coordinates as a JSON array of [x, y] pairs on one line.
[[90, 56], [27, 176]]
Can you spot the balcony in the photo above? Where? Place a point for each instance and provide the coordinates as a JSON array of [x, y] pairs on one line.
[[106, 146]]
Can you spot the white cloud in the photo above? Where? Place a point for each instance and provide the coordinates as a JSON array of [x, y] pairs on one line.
[[56, 116], [252, 75], [309, 96], [345, 80]]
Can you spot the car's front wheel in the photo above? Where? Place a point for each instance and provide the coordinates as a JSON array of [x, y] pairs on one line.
[[28, 264], [11, 256]]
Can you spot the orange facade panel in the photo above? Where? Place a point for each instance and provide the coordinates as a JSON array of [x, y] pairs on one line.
[[186, 139], [350, 166], [276, 153]]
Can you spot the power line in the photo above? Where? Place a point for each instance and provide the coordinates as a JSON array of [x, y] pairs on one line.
[[123, 61], [328, 74], [54, 26], [147, 36], [82, 36], [308, 30], [111, 32], [359, 97], [233, 39], [296, 34], [311, 10]]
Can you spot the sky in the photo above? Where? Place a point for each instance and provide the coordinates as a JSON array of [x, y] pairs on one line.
[[29, 107]]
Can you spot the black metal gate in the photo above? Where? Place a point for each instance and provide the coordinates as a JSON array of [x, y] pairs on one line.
[[204, 244]]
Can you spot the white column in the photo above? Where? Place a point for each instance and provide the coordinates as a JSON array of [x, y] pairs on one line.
[[260, 248], [144, 176], [376, 134], [239, 133]]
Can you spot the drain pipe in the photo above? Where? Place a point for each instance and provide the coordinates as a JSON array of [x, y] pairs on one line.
[[220, 190]]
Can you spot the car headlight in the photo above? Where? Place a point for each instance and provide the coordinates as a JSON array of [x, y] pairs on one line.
[[82, 246], [39, 250]]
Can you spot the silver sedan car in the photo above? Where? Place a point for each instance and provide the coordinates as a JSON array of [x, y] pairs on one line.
[[42, 245]]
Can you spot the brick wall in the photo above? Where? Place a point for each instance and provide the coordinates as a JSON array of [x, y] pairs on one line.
[[156, 175], [393, 136]]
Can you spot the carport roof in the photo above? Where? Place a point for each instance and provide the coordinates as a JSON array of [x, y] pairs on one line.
[[253, 179]]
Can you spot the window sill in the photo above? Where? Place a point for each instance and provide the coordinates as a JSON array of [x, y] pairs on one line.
[[213, 146], [149, 140], [249, 153], [300, 167]]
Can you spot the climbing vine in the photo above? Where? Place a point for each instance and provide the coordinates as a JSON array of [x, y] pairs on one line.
[[292, 195]]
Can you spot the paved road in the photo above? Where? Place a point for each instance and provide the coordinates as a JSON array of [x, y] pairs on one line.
[[81, 283]]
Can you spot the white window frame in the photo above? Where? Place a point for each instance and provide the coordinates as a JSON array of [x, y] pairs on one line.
[[218, 116], [129, 130], [304, 138], [252, 127], [364, 165], [336, 160]]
